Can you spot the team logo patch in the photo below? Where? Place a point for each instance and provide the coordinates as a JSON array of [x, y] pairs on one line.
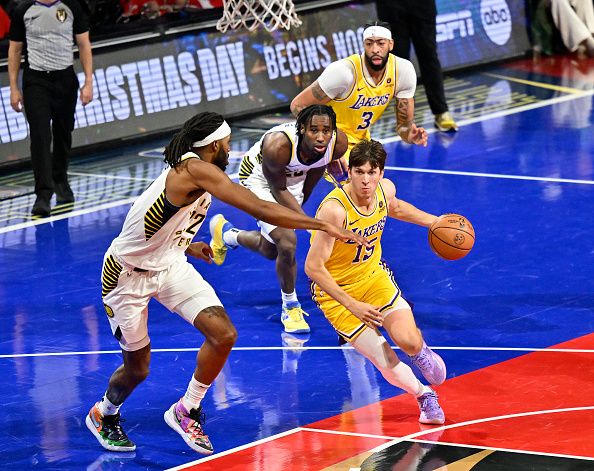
[[61, 15], [108, 310], [389, 80], [381, 204]]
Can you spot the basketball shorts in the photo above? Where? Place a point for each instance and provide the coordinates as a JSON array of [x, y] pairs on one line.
[[379, 289], [266, 195], [126, 294]]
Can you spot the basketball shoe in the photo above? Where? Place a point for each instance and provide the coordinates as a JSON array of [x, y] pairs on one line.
[[431, 365], [218, 225], [108, 431], [292, 319], [445, 122], [189, 426], [431, 412]]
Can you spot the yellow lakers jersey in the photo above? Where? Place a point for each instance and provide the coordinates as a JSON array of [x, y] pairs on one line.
[[366, 102], [350, 262]]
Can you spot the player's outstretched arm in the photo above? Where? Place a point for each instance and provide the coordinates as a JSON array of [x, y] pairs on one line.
[[312, 95], [400, 209], [319, 253], [217, 183]]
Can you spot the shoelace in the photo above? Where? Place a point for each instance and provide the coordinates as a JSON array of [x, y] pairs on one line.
[[115, 426], [198, 419], [423, 360], [296, 313], [428, 405]]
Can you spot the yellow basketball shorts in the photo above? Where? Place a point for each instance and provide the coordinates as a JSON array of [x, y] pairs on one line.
[[379, 289]]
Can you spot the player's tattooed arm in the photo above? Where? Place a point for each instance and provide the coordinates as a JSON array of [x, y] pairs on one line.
[[405, 125], [312, 95]]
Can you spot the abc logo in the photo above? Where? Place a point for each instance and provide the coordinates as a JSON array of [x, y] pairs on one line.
[[496, 20]]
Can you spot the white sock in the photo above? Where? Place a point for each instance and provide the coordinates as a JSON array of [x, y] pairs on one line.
[[425, 390], [402, 376], [230, 237], [194, 394], [289, 298], [106, 407]]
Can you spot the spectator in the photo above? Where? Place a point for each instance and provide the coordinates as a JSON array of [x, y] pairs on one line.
[[4, 23], [415, 20], [575, 21], [50, 88]]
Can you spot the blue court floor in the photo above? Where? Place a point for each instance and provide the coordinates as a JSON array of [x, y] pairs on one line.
[[521, 169]]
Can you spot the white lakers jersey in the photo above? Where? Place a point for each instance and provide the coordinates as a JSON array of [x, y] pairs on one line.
[[156, 233], [251, 174]]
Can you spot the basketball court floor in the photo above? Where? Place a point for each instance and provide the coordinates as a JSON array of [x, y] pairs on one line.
[[513, 320]]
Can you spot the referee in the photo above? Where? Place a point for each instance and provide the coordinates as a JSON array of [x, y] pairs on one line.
[[47, 28]]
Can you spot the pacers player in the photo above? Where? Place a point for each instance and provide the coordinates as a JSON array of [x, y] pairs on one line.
[[360, 87], [356, 289], [148, 260], [284, 167]]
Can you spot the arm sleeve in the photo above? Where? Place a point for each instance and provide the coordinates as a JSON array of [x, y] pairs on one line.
[[407, 79], [337, 79], [81, 19]]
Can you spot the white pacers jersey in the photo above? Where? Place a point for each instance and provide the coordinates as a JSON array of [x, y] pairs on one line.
[[252, 176], [157, 233]]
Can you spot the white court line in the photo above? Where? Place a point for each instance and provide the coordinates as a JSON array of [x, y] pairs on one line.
[[111, 177], [464, 122], [490, 175], [410, 437], [510, 111], [80, 212], [258, 349], [236, 449]]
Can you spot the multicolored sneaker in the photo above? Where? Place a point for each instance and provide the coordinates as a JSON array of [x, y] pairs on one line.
[[431, 365], [108, 431], [218, 225], [431, 412], [292, 319], [189, 426]]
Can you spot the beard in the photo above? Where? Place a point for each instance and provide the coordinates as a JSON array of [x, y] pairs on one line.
[[221, 160], [372, 66]]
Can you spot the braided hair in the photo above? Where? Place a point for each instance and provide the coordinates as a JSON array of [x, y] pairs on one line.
[[306, 114], [194, 129]]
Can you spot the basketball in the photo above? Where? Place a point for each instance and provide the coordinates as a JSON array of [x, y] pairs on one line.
[[451, 236]]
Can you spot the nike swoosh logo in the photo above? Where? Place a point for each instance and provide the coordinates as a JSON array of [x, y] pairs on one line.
[[359, 89], [353, 222]]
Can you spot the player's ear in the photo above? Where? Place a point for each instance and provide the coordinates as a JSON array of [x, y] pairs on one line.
[[391, 45]]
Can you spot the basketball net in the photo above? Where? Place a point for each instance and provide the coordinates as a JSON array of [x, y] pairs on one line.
[[251, 14]]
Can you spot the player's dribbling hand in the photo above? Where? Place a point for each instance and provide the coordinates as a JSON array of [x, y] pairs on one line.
[[417, 135], [367, 313], [200, 250]]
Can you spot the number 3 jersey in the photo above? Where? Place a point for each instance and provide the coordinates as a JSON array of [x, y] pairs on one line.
[[349, 262], [252, 176], [156, 233]]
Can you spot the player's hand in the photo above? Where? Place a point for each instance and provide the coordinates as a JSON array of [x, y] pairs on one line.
[[201, 251], [417, 135], [338, 169], [345, 235], [367, 313]]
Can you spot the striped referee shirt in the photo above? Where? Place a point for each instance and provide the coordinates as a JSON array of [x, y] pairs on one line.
[[48, 30]]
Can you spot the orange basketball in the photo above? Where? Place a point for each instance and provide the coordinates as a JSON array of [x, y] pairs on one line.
[[451, 237]]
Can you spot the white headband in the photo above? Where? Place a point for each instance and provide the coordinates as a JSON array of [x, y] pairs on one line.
[[377, 32], [221, 132]]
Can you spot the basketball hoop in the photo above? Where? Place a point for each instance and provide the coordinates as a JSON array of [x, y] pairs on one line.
[[251, 14]]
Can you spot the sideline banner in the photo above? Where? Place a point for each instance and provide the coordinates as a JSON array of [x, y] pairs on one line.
[[154, 87]]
